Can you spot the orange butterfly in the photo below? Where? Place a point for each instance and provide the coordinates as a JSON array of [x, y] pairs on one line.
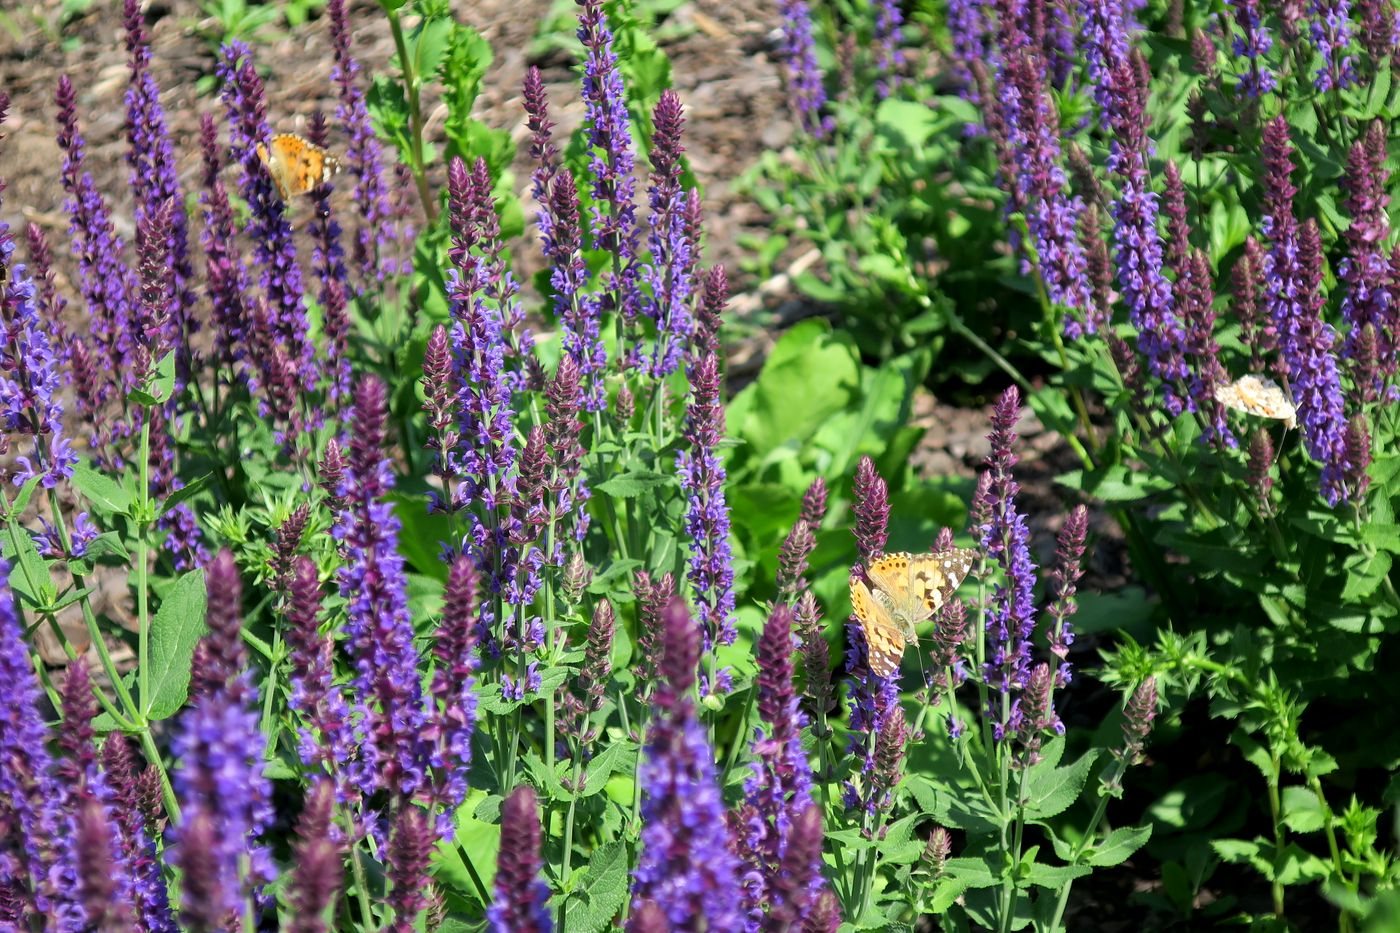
[[296, 164], [1258, 395], [909, 589]]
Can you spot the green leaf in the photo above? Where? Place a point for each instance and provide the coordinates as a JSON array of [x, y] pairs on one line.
[[1052, 792], [619, 756], [26, 492], [176, 629], [810, 377], [101, 491], [631, 484], [1118, 846], [1115, 483], [1055, 876], [972, 872], [185, 493], [1302, 812], [601, 891]]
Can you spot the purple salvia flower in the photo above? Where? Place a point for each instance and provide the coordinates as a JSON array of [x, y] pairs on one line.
[[1039, 718], [328, 264], [1255, 332], [98, 875], [562, 242], [563, 428], [611, 159], [801, 73], [814, 505], [646, 917], [325, 738], [365, 158], [543, 152], [1357, 443], [43, 863], [29, 378], [1292, 279], [104, 279], [378, 629], [1010, 611], [1138, 714], [1365, 271], [440, 403], [133, 817], [889, 20], [1203, 57], [798, 883], [285, 543], [702, 475], [48, 299], [1145, 289], [1052, 212], [1252, 43], [1378, 30], [1098, 267], [224, 272], [670, 271], [872, 510], [825, 914], [269, 229], [454, 691], [590, 689], [155, 178], [1259, 470], [687, 866], [652, 598], [780, 788], [792, 560], [1331, 35], [219, 778], [971, 34], [1197, 301], [709, 311], [1104, 38], [317, 870], [1064, 580], [1177, 245], [202, 902], [410, 849], [891, 743], [816, 653], [522, 897]]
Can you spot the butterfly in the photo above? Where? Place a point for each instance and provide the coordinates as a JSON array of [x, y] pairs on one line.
[[908, 589], [296, 164], [1258, 395]]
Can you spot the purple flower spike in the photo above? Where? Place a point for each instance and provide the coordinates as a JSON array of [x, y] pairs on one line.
[[1064, 580], [889, 20], [1252, 43], [872, 509], [687, 866], [29, 378], [134, 815], [224, 271], [1010, 613], [1378, 32], [219, 779], [670, 272], [378, 629], [410, 848], [1106, 43], [48, 299], [1146, 291], [591, 687], [1052, 212], [652, 598], [107, 284], [970, 31], [454, 690], [325, 737], [803, 76], [702, 476], [1293, 278], [155, 179], [43, 866], [1197, 298], [317, 869], [97, 875], [522, 897], [1331, 35], [611, 158], [1365, 272], [374, 234], [779, 791]]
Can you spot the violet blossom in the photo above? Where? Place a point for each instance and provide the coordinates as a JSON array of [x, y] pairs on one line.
[[1253, 43], [1365, 271], [521, 902], [803, 76], [670, 270], [1330, 30], [687, 866]]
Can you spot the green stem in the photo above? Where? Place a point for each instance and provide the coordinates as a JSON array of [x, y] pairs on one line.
[[412, 82], [357, 870], [143, 616]]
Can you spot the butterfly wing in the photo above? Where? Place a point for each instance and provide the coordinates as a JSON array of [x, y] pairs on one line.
[[935, 577], [884, 644], [296, 164]]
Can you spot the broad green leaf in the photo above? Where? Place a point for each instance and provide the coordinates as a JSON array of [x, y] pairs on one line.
[[185, 493], [972, 872], [600, 893], [176, 629], [631, 484], [811, 376], [1115, 483], [619, 756], [1055, 876], [1302, 812], [102, 491], [1118, 846], [1054, 791]]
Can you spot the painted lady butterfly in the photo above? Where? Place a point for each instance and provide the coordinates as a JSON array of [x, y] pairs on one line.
[[1258, 395], [908, 589], [296, 164]]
